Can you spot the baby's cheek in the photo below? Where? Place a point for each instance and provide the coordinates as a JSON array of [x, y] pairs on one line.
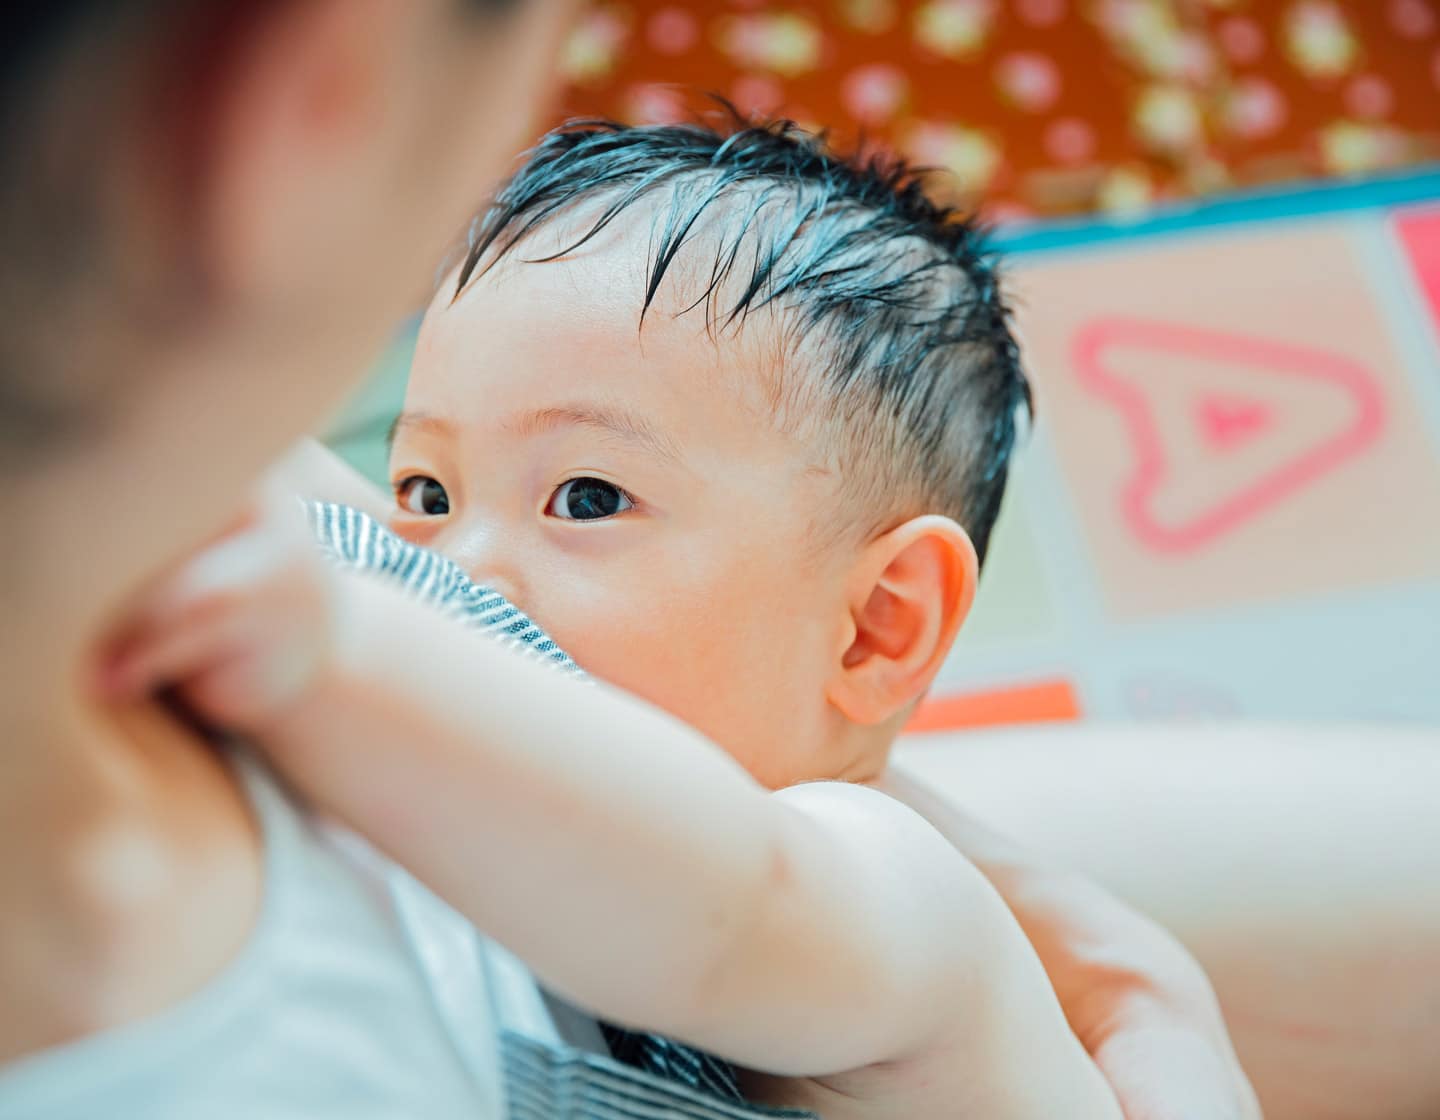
[[651, 651], [608, 634], [709, 638], [678, 655]]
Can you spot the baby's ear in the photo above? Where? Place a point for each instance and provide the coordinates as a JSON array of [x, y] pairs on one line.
[[912, 589]]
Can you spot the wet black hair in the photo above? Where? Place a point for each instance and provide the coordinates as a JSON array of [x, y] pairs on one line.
[[910, 354]]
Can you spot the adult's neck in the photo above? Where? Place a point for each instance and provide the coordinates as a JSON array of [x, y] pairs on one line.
[[64, 752]]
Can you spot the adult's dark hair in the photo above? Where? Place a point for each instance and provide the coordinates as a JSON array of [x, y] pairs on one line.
[[56, 101], [897, 337]]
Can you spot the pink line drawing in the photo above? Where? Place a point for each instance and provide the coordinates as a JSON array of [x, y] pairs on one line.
[[1420, 235], [1151, 467]]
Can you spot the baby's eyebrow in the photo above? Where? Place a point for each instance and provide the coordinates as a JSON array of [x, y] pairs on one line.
[[421, 421], [628, 427]]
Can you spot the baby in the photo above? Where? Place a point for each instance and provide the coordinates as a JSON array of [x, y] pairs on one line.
[[730, 417]]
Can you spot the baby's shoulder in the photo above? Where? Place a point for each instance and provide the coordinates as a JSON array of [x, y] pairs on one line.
[[927, 917], [989, 1035], [866, 814]]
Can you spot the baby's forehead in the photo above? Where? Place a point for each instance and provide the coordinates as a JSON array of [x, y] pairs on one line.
[[586, 264], [569, 292], [735, 271], [674, 251]]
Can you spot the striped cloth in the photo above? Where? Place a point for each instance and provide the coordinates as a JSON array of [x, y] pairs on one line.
[[356, 540], [547, 1082], [647, 1077]]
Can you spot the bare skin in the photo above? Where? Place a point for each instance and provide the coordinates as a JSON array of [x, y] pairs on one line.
[[1298, 864]]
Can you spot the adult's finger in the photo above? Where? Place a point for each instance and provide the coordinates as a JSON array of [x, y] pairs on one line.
[[1163, 1064]]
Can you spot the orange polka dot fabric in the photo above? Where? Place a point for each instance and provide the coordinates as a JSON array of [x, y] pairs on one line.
[[1045, 107]]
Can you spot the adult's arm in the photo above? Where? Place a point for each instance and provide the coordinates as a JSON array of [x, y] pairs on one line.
[[1300, 866]]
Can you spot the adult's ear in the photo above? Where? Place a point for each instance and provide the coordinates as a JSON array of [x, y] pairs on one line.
[[292, 159], [912, 588]]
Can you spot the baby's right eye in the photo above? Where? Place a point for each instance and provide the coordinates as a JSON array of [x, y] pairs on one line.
[[422, 495]]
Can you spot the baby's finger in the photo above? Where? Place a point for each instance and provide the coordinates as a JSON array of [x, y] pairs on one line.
[[163, 656], [210, 581]]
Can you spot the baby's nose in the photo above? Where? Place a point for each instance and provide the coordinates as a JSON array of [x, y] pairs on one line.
[[492, 558], [506, 588]]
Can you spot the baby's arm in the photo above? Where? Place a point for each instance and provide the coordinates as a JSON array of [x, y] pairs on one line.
[[314, 471], [813, 931], [542, 806], [634, 865]]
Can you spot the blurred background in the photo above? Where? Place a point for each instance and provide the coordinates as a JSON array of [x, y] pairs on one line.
[[1223, 218], [1046, 107]]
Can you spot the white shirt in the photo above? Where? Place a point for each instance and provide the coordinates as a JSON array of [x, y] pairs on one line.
[[358, 994]]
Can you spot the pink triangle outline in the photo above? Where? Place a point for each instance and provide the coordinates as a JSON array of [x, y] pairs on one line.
[[1137, 492]]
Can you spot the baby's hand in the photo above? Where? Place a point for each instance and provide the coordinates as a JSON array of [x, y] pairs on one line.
[[238, 631]]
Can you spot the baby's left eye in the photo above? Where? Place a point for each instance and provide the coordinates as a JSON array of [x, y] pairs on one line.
[[588, 499]]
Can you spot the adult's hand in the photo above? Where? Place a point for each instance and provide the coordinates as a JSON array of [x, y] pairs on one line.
[[1138, 1002]]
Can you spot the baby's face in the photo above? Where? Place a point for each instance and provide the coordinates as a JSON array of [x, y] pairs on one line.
[[630, 491]]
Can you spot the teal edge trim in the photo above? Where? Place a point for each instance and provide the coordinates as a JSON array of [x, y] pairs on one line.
[[1260, 206]]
